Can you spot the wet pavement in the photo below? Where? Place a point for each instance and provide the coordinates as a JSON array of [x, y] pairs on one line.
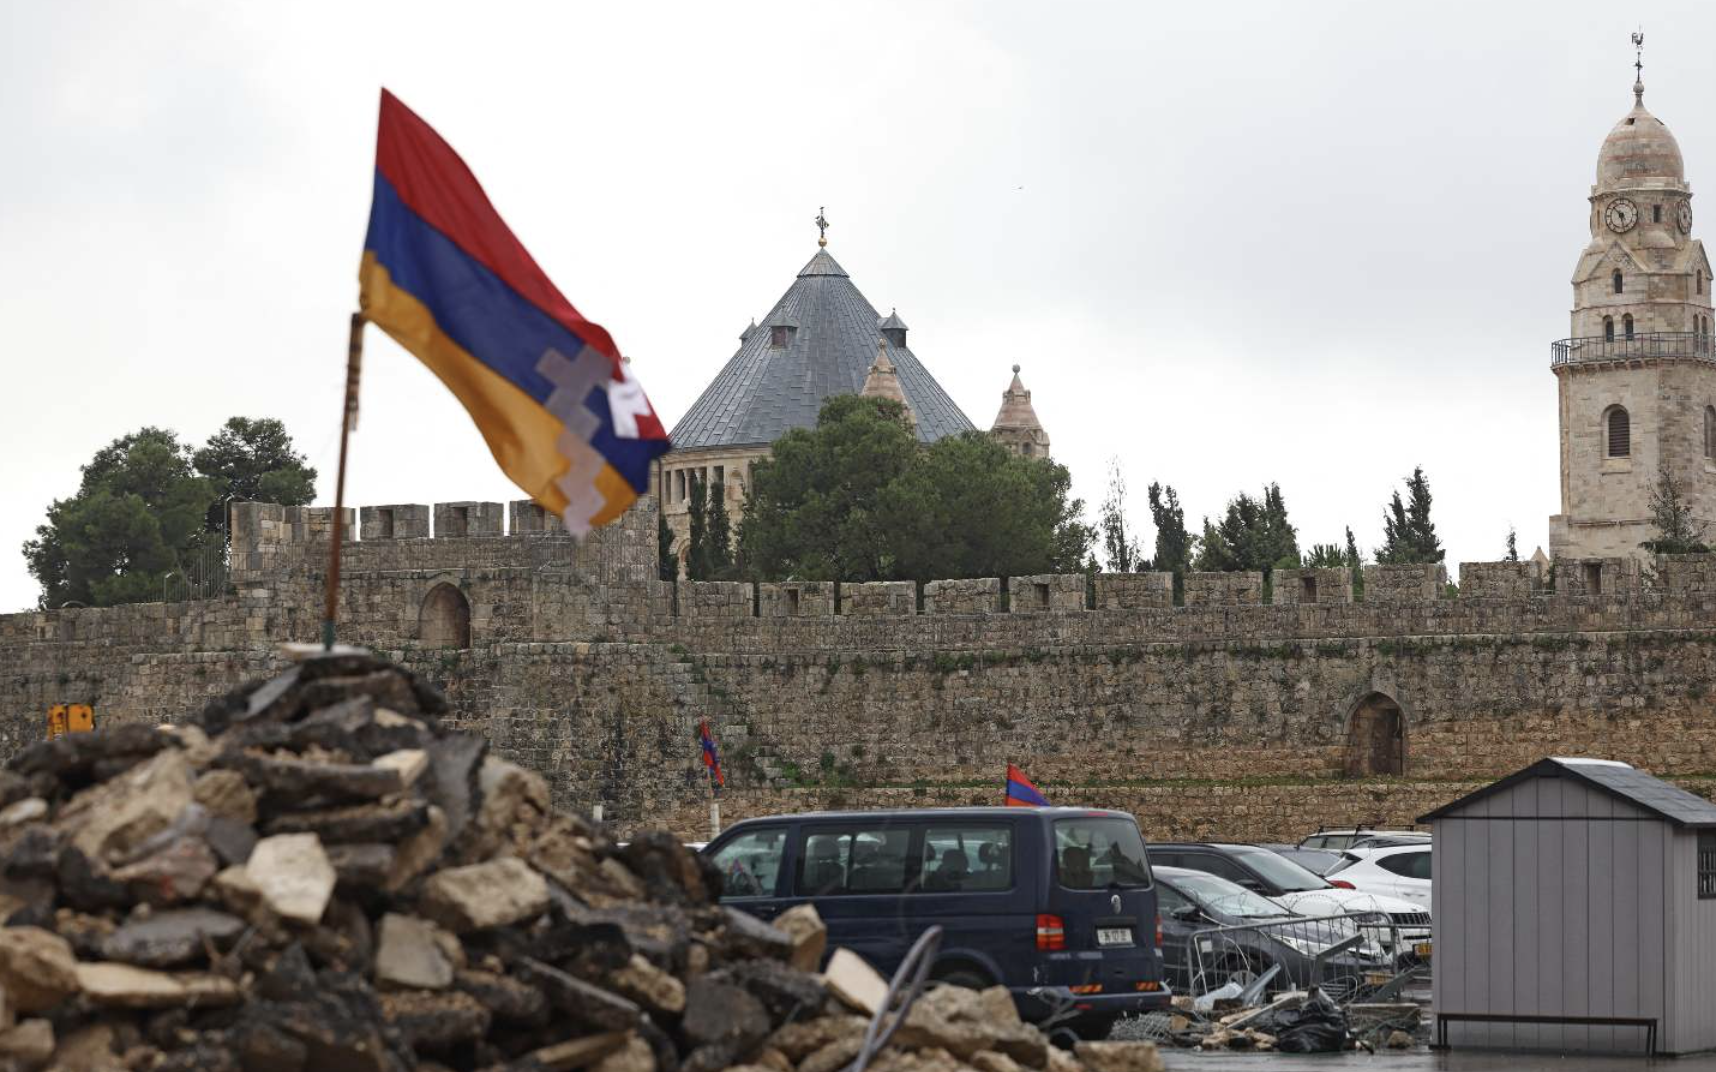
[[1424, 1061]]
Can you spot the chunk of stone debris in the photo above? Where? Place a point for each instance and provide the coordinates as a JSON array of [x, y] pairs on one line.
[[129, 987], [364, 865], [28, 810], [430, 1020], [851, 979], [490, 894], [833, 1057], [173, 937], [803, 924], [580, 1052], [110, 820], [409, 954], [37, 968], [176, 872], [28, 1045], [585, 1003], [299, 778], [649, 986], [744, 936], [408, 763], [226, 793], [799, 1039], [723, 1014], [1119, 1056], [1398, 1040], [505, 997], [418, 851], [292, 875], [635, 1056]]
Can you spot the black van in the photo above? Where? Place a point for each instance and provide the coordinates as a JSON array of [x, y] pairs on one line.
[[1055, 903]]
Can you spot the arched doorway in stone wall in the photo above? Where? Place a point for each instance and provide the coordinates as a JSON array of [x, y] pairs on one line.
[[444, 621], [1376, 737]]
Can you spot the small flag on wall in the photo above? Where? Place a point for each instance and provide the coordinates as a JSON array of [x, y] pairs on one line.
[[1020, 792], [443, 274], [711, 757]]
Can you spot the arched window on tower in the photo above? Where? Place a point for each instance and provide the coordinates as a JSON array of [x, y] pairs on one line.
[[1627, 325], [1617, 278], [1617, 429], [444, 621], [1710, 432], [1608, 329]]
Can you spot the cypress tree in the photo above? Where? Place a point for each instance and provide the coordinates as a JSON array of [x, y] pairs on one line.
[[697, 553]]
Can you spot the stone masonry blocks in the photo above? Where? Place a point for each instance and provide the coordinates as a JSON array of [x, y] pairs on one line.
[[878, 599], [1414, 583], [715, 599], [529, 518], [1300, 586], [1045, 592], [469, 519], [1597, 576], [1224, 589], [1134, 591], [1499, 580], [400, 521], [806, 599], [981, 595]]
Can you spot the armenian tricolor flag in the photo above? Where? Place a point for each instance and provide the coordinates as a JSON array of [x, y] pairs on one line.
[[1020, 792], [711, 757], [443, 275]]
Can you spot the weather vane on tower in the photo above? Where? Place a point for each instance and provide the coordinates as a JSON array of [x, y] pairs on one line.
[[821, 222], [1638, 64]]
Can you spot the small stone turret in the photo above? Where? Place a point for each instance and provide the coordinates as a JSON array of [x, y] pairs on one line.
[[884, 382], [1016, 426]]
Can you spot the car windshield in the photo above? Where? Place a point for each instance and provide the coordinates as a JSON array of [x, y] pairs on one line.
[[1099, 851], [1225, 898], [1280, 871]]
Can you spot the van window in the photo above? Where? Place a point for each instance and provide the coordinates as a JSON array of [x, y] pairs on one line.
[[750, 863], [1098, 851], [963, 858], [862, 860]]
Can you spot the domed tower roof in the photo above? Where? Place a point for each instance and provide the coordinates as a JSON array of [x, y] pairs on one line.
[[884, 382], [1640, 151], [1017, 425], [819, 340]]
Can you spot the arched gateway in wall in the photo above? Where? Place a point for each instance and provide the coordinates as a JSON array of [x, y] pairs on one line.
[[1376, 737], [444, 620]]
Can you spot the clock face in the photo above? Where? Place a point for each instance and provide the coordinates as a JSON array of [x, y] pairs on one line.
[[1621, 216], [1684, 217]]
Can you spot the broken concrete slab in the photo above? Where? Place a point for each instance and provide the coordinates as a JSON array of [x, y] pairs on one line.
[[851, 979], [109, 820], [292, 875], [649, 986], [129, 987], [580, 1052], [365, 866], [1119, 1056], [408, 954], [809, 935], [490, 894], [226, 793], [170, 938], [431, 1020], [389, 821], [723, 1014], [27, 1045], [37, 968], [174, 873], [408, 763]]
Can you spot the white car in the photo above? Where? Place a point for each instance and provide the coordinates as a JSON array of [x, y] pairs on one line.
[[1399, 871]]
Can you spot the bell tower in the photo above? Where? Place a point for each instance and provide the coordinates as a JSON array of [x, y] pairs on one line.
[[1636, 379]]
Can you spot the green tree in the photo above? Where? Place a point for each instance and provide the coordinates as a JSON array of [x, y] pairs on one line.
[[138, 513], [1409, 536], [252, 459], [969, 507], [667, 567], [1325, 556], [1174, 545], [1355, 562], [717, 537], [1512, 545], [697, 540], [1119, 546], [1678, 532], [1254, 534], [812, 510]]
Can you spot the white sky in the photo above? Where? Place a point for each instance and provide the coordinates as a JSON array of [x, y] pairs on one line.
[[1314, 243]]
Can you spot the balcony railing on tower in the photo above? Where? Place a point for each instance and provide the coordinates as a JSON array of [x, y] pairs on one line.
[[1641, 346]]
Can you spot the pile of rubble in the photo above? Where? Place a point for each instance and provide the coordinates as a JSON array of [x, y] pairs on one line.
[[314, 876]]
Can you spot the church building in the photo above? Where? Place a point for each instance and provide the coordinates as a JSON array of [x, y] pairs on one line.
[[1637, 378], [822, 338]]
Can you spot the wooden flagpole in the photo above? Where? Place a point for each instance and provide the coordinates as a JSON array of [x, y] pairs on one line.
[[354, 367]]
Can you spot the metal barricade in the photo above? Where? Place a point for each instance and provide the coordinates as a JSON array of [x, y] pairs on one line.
[[1351, 957]]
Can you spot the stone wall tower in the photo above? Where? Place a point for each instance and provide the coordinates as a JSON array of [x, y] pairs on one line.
[[1637, 378], [1016, 426]]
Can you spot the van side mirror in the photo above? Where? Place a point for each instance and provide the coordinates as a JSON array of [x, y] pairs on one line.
[[1188, 913]]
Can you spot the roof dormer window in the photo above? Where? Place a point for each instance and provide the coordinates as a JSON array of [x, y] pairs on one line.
[[780, 337]]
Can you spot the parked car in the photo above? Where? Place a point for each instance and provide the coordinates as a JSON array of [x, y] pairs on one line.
[[1057, 904], [1346, 838], [1194, 903], [1304, 892], [1317, 861], [1397, 871]]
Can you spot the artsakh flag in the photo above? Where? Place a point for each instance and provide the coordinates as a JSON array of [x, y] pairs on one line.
[[1020, 792], [443, 275], [711, 757]]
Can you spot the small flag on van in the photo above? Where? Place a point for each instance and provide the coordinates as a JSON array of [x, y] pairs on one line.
[[1020, 792]]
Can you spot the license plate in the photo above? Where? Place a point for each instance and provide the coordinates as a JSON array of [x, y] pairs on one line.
[[1114, 936], [1422, 949]]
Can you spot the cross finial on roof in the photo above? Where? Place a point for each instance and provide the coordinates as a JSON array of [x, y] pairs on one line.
[[1638, 65], [821, 222]]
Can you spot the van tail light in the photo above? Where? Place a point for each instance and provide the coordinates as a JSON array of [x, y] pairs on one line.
[[1158, 930], [1051, 932], [1341, 884]]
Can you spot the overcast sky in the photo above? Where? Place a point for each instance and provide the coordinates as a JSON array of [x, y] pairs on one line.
[[1311, 243]]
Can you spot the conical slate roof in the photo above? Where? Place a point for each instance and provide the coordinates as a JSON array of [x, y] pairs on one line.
[[833, 332]]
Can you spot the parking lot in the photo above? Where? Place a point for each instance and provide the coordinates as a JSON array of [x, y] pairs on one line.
[[1423, 1061]]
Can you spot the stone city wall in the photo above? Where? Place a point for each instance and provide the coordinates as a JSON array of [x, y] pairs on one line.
[[1227, 716]]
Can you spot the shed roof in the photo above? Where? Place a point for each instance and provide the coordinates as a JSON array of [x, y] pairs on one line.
[[1619, 780]]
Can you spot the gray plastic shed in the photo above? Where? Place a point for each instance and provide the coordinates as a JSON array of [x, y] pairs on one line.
[[1575, 911]]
